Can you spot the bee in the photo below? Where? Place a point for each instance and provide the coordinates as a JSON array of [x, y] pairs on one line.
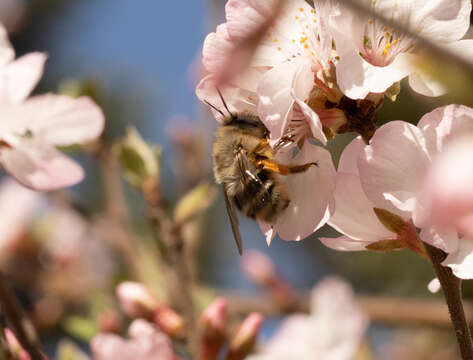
[[244, 164]]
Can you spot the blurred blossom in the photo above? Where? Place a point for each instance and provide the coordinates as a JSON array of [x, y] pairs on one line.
[[333, 331], [136, 300], [244, 338], [145, 342], [110, 322], [213, 322], [259, 268], [448, 188], [389, 174], [34, 126], [373, 56], [12, 14]]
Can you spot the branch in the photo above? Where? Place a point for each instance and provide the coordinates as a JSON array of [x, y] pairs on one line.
[[19, 322], [381, 309], [451, 286]]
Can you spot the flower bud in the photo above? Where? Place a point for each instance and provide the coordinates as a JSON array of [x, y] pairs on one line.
[[169, 321], [140, 161], [213, 322], [136, 300], [15, 347], [244, 338], [109, 322]]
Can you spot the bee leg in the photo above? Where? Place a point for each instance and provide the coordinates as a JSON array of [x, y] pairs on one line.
[[284, 169]]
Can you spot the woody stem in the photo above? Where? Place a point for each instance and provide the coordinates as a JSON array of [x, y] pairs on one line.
[[451, 286]]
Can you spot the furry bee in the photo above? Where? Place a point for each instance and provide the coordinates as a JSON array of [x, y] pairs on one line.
[[244, 164]]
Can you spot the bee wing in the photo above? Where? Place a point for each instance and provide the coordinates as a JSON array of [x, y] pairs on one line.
[[233, 221]]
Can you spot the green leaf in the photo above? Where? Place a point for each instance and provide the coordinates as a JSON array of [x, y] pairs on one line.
[[81, 328], [391, 221], [194, 202]]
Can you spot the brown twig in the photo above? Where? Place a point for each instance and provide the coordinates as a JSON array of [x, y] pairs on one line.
[[19, 322], [380, 309], [451, 286]]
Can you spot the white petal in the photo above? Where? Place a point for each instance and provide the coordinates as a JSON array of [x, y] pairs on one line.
[[274, 92], [41, 167], [61, 120], [392, 167], [20, 77], [434, 286], [442, 238], [354, 215], [311, 205], [441, 20], [356, 77], [344, 243], [7, 53], [461, 261], [424, 84]]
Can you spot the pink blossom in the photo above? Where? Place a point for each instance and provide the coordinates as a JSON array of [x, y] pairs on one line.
[[448, 189], [373, 56], [146, 342], [332, 331], [32, 127], [136, 300], [392, 171]]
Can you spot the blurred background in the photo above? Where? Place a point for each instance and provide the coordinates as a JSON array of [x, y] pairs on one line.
[[141, 61]]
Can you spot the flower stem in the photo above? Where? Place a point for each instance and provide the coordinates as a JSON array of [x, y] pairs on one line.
[[451, 286]]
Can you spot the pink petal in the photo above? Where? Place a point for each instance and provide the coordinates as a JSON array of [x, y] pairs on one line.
[[238, 100], [392, 167], [344, 243], [354, 215], [21, 76], [426, 85], [268, 231], [461, 261], [274, 91], [41, 167], [61, 120], [448, 188], [310, 205], [349, 159], [217, 46]]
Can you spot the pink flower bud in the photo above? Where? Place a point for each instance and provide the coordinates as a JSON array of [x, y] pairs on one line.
[[244, 338], [110, 322], [169, 321], [15, 346], [213, 322], [136, 300]]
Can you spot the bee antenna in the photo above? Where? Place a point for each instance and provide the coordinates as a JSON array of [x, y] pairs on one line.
[[224, 103], [215, 108]]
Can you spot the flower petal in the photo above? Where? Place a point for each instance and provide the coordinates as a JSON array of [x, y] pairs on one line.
[[426, 85], [310, 205], [349, 159], [357, 78], [461, 261], [274, 91], [354, 215], [41, 167], [7, 53], [61, 120], [392, 167], [442, 238], [344, 243], [20, 77]]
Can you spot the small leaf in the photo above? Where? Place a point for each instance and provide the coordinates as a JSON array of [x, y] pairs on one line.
[[390, 221], [139, 161], [194, 202], [385, 245], [67, 350], [393, 91]]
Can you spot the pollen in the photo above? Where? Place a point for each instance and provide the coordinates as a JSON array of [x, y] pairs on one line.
[[297, 17], [312, 11], [293, 41], [386, 49], [307, 26], [301, 9], [303, 39], [275, 40], [279, 48], [306, 46]]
